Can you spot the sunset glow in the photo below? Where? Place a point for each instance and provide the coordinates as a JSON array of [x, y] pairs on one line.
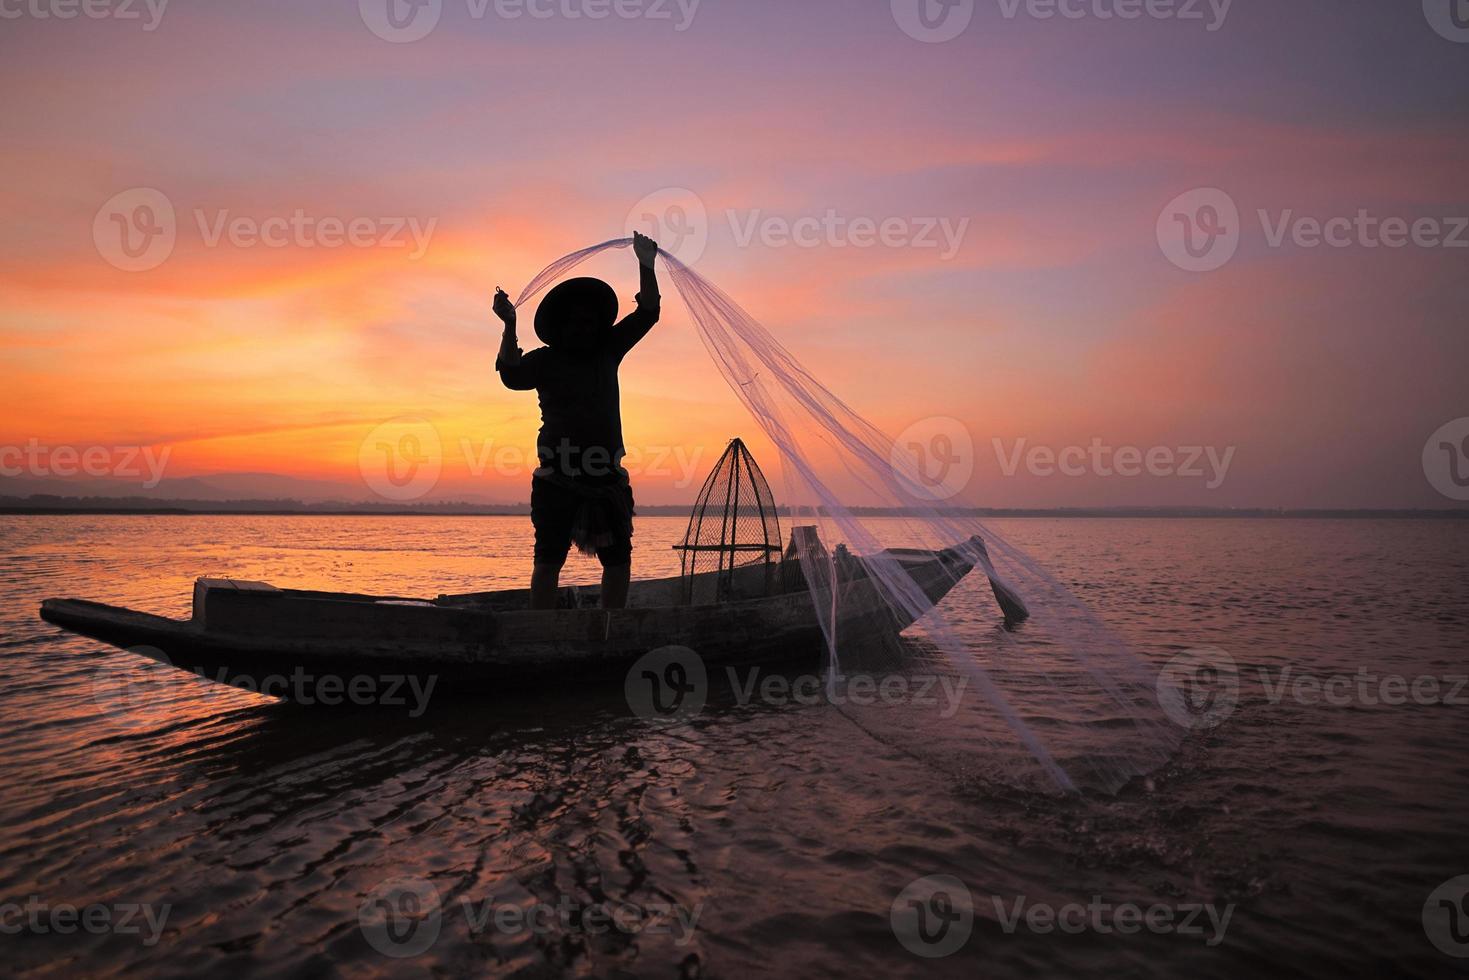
[[472, 157]]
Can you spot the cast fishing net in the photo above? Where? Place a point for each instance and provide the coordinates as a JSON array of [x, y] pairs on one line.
[[1053, 698]]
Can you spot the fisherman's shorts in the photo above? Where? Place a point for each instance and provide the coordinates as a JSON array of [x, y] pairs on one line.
[[597, 517]]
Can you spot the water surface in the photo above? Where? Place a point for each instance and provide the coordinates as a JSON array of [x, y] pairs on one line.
[[786, 831]]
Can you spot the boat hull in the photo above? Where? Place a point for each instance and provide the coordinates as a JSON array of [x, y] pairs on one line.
[[254, 636]]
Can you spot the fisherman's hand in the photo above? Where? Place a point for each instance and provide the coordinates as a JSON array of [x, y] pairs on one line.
[[504, 309], [644, 248]]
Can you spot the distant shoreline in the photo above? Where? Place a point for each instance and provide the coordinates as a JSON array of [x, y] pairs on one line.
[[64, 507]]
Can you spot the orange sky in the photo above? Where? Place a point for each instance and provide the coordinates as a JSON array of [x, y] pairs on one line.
[[1057, 319]]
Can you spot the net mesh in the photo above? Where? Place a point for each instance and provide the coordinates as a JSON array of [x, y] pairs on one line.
[[734, 525], [1047, 695]]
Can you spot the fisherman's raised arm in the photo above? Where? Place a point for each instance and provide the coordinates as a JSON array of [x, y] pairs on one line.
[[511, 365], [635, 326]]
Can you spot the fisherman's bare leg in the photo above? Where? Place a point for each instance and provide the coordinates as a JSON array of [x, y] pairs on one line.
[[615, 582], [545, 583]]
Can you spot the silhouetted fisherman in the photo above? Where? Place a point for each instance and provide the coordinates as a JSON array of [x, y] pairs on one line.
[[580, 493]]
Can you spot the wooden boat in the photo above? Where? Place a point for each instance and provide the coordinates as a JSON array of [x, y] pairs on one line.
[[243, 632]]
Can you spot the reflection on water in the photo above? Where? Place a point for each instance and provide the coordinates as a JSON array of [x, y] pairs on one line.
[[784, 832]]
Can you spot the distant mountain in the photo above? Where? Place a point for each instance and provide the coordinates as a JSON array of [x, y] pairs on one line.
[[274, 486], [42, 503], [86, 486]]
